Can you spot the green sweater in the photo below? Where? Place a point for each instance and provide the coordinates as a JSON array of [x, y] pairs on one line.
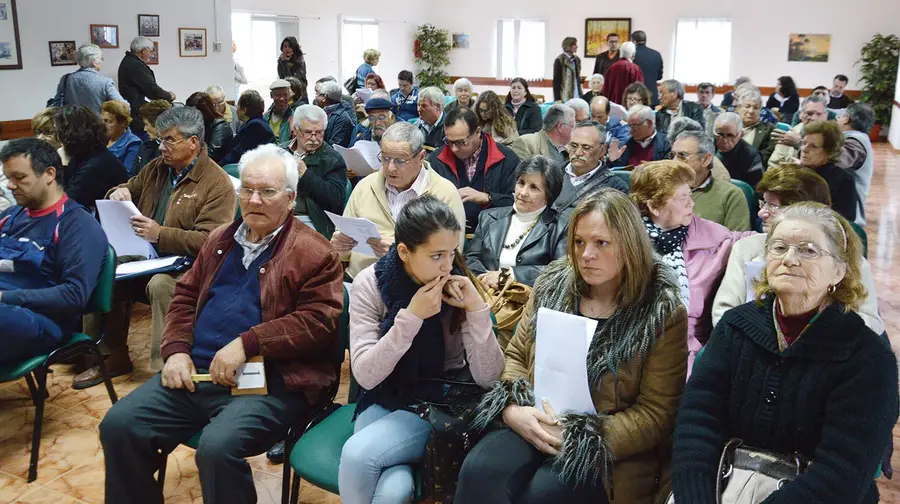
[[722, 202]]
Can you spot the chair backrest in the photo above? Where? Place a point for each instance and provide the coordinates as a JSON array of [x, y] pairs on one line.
[[344, 338], [625, 175], [862, 237], [232, 169], [101, 299], [752, 204], [349, 190]]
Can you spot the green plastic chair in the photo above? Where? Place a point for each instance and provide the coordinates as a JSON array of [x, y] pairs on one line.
[[862, 238], [752, 203], [625, 175], [232, 169], [35, 369]]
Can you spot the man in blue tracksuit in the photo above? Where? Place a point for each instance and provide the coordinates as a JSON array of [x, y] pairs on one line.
[[51, 253]]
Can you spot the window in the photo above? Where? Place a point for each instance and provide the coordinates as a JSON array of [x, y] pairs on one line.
[[357, 35], [702, 51], [258, 38], [521, 44]]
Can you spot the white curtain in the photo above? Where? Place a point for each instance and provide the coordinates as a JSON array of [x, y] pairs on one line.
[[357, 36], [703, 51], [521, 48]]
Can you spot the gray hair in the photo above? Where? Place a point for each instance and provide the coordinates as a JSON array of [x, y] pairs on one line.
[[188, 121], [215, 90], [627, 50], [461, 83], [272, 151], [861, 115], [704, 143], [310, 113], [433, 94], [405, 132], [815, 99], [681, 124], [579, 104], [747, 92], [87, 55], [597, 76], [673, 85], [331, 90], [729, 118], [141, 43], [741, 80], [642, 112], [599, 128], [556, 114], [548, 169]]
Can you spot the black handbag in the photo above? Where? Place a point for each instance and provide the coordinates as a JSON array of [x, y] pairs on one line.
[[62, 95], [350, 84]]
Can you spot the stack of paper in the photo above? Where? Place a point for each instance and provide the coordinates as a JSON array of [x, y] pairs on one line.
[[115, 218], [136, 268], [357, 228], [362, 157], [364, 94], [560, 361]]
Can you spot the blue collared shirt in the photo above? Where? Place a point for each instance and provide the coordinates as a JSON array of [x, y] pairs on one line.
[[87, 87], [178, 177]]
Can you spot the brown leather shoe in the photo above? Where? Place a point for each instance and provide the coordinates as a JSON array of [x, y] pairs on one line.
[[115, 366]]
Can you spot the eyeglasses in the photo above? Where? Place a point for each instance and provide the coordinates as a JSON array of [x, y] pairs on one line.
[[168, 143], [726, 136], [810, 145], [805, 250], [399, 163], [573, 147], [763, 205], [681, 156], [379, 117], [267, 194], [311, 133], [460, 143]]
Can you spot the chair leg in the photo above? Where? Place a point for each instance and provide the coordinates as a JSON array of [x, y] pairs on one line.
[[40, 376], [161, 475], [31, 388], [295, 489], [287, 471], [106, 380]]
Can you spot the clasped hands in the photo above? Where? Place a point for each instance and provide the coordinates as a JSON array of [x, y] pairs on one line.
[[179, 368], [541, 429]]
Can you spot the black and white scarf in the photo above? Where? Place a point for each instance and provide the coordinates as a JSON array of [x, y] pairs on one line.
[[670, 244]]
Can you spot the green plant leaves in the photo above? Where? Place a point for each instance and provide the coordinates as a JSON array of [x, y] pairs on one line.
[[878, 67], [433, 55]]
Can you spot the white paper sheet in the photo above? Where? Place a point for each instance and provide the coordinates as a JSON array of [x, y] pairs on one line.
[[753, 272], [362, 157], [251, 375], [131, 268], [560, 361], [115, 218], [357, 228], [364, 94]]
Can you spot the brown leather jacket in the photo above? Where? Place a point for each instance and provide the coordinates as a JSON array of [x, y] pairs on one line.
[[201, 202], [301, 294]]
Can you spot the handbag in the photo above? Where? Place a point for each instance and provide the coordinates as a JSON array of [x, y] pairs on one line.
[[507, 303], [350, 84], [62, 94], [750, 476]]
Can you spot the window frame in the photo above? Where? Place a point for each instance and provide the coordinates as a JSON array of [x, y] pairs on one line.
[[498, 62]]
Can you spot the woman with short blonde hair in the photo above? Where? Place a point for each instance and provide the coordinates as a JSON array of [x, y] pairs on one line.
[[371, 58], [42, 126]]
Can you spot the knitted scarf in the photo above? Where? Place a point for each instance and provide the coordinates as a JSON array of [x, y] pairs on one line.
[[670, 245]]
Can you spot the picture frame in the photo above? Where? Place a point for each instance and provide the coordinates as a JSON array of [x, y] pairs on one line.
[[105, 36], [148, 25], [154, 56], [62, 52], [192, 42], [461, 40], [809, 48], [596, 30], [10, 44]]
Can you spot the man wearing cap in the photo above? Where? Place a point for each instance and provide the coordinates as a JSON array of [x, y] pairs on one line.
[[380, 118], [279, 114]]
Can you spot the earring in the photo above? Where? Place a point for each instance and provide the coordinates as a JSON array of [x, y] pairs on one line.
[[831, 289]]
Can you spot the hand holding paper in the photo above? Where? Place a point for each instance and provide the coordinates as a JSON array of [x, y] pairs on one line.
[[357, 228], [362, 158], [560, 362], [115, 218]]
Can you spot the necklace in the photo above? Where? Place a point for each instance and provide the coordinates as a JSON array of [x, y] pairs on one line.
[[588, 310], [521, 236]]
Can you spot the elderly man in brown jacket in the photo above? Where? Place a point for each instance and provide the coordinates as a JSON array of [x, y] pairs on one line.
[[183, 195], [267, 287]]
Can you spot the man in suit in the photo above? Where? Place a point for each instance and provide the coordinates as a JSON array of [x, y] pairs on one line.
[[552, 139], [137, 82], [651, 64], [586, 171], [672, 104], [567, 72]]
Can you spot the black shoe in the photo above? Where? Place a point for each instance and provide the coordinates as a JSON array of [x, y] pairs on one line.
[[276, 453]]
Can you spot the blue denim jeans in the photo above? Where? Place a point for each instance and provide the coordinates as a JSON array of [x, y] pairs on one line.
[[375, 462], [26, 333]]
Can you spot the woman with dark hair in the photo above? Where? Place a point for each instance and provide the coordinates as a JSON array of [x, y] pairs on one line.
[[254, 131], [820, 150], [291, 62], [298, 91], [636, 364], [218, 134], [636, 94], [785, 99], [495, 119], [149, 148], [92, 169], [415, 315], [522, 106]]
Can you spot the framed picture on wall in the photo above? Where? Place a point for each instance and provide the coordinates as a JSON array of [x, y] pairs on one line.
[[808, 47], [154, 56], [192, 42], [597, 29], [148, 25], [105, 36], [10, 46], [62, 53]]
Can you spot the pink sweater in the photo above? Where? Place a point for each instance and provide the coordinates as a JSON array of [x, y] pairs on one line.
[[372, 358]]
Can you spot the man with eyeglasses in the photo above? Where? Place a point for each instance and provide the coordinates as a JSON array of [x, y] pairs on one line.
[[645, 144], [482, 169], [586, 172], [229, 112], [787, 143], [741, 159], [183, 196], [380, 118], [264, 286], [404, 176], [551, 141], [279, 114], [323, 172]]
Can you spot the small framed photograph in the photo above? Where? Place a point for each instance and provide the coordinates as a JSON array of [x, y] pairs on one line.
[[154, 56], [192, 42], [62, 53], [148, 25], [105, 36]]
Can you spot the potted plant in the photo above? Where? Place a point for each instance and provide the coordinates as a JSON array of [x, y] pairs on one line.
[[878, 67], [432, 49]]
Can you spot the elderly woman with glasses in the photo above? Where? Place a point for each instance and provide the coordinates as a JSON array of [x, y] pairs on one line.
[[756, 132], [820, 150], [696, 249], [797, 372], [780, 187]]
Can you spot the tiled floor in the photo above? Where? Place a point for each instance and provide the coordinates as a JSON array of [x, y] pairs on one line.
[[71, 464]]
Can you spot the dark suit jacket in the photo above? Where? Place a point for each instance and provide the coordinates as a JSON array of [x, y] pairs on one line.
[[251, 135], [661, 149], [688, 109], [571, 195], [137, 83], [528, 118], [651, 64], [545, 243]]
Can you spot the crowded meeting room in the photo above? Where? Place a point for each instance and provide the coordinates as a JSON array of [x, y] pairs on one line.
[[260, 251]]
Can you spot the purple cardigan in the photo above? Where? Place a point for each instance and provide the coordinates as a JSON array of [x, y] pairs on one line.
[[372, 357], [706, 250]]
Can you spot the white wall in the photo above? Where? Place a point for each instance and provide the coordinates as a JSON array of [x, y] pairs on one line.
[[23, 92], [894, 134]]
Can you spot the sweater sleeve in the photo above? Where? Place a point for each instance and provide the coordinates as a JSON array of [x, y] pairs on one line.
[[737, 213], [80, 254], [853, 155], [482, 348], [145, 81], [732, 290]]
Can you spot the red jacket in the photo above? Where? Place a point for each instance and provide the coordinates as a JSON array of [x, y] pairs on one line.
[[301, 294], [619, 76]]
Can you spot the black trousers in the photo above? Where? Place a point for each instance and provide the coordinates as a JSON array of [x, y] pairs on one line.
[[155, 418], [503, 468]]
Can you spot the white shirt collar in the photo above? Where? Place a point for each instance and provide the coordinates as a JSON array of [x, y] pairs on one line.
[[418, 185], [649, 140], [577, 180]]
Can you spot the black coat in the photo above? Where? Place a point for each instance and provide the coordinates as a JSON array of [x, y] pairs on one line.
[[528, 118], [148, 152], [292, 68], [218, 139], [743, 163], [137, 83], [88, 180], [651, 64], [545, 243], [841, 185], [323, 187], [661, 149], [495, 174], [691, 110], [787, 110], [340, 124], [570, 195], [251, 135], [831, 395]]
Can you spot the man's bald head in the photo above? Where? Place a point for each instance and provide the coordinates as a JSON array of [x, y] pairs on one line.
[[600, 109]]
